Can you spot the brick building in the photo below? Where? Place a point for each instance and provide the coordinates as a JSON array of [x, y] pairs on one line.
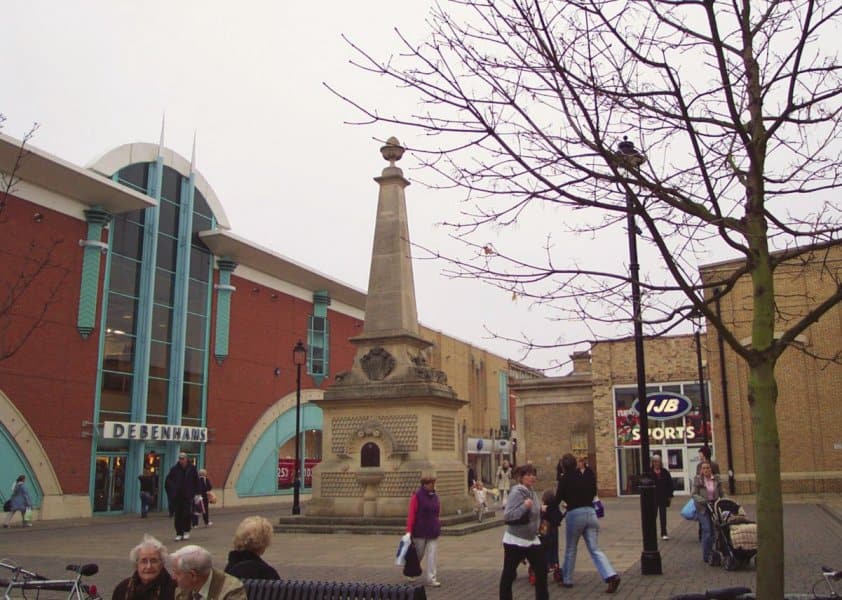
[[148, 327]]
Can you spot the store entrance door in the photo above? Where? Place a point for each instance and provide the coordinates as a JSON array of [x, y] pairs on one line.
[[109, 482]]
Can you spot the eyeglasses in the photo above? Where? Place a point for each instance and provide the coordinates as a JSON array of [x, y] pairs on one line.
[[149, 562]]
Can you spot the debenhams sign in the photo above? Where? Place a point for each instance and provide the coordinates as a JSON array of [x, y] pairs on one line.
[[119, 430]]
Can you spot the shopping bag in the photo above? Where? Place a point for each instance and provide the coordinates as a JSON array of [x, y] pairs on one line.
[[7, 506], [689, 510], [412, 568], [211, 498], [599, 507], [403, 545], [27, 516]]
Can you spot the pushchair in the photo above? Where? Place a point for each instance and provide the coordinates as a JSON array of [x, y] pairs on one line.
[[735, 535]]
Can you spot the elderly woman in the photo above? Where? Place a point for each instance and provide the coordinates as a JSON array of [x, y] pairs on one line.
[[150, 580], [251, 539]]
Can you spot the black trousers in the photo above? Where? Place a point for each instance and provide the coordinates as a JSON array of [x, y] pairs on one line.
[[512, 557], [662, 514], [183, 513]]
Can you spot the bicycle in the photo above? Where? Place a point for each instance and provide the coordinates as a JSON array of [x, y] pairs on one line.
[[23, 580], [743, 593]]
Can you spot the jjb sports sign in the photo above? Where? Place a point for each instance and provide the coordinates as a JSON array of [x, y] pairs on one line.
[[663, 406]]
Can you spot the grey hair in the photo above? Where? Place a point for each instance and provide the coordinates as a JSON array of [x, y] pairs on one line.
[[149, 542], [192, 558]]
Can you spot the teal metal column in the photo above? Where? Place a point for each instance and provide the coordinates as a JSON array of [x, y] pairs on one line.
[[179, 311], [97, 219], [224, 289], [143, 339]]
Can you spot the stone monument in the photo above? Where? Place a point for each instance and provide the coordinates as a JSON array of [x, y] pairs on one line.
[[392, 417]]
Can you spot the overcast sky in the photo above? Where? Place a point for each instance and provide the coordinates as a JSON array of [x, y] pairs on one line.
[[248, 78]]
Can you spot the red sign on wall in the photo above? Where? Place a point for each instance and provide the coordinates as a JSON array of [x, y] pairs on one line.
[[286, 472]]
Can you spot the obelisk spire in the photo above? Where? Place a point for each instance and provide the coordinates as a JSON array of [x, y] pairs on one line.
[[390, 308]]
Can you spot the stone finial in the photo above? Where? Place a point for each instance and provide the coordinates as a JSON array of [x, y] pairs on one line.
[[392, 151]]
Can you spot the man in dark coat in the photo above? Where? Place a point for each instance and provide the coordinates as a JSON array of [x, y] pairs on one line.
[[182, 485]]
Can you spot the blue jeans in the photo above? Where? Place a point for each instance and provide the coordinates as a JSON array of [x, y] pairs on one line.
[[582, 522], [707, 532]]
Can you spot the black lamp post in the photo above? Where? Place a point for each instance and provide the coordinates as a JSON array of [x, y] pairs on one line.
[[702, 393], [299, 357], [650, 559]]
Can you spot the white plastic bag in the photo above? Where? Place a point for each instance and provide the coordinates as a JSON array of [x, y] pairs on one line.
[[403, 546]]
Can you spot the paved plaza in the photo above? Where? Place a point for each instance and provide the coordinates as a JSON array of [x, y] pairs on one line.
[[469, 566]]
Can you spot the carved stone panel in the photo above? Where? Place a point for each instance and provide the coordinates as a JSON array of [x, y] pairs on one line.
[[377, 364]]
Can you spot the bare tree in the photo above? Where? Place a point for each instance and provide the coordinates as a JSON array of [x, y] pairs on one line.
[[30, 281], [737, 105]]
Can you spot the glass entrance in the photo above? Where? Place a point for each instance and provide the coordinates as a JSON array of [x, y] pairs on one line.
[[675, 460], [109, 483]]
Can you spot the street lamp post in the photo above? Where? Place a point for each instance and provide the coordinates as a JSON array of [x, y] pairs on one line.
[[299, 357], [702, 394], [650, 559]]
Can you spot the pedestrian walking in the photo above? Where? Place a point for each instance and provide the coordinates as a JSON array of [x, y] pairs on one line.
[[205, 486], [504, 480], [148, 491], [19, 501], [182, 488], [520, 541], [577, 490], [424, 525], [663, 492], [707, 488]]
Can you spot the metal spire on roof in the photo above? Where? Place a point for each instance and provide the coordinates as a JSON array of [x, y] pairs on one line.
[[193, 155], [161, 143]]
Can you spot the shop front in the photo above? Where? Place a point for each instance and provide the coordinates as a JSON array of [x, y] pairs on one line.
[[675, 433]]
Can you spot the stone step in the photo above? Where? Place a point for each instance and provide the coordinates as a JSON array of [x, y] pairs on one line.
[[452, 525]]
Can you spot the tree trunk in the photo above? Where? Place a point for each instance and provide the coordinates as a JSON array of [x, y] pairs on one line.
[[763, 394]]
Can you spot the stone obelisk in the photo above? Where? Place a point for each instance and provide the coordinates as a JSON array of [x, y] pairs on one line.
[[391, 419]]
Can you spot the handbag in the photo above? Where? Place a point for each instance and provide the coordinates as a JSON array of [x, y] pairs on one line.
[[412, 568], [211, 498], [599, 507], [7, 505], [27, 516], [689, 510]]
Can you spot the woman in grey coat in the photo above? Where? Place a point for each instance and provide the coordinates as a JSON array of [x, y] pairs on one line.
[[522, 516], [19, 502]]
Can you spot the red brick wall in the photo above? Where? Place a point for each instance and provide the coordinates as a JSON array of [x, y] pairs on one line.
[[263, 332], [51, 379]]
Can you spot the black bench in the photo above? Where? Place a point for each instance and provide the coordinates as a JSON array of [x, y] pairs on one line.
[[267, 589]]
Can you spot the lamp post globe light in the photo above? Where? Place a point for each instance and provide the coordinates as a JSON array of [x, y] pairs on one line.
[[650, 560], [299, 357]]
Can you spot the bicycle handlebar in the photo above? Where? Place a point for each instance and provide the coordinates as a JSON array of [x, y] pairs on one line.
[[831, 573]]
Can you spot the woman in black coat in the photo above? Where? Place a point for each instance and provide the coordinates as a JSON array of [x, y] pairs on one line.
[[251, 539], [663, 492]]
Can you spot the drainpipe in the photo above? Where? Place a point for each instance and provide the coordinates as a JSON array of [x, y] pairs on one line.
[[724, 382]]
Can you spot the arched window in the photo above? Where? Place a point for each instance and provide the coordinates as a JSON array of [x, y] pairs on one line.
[[370, 455]]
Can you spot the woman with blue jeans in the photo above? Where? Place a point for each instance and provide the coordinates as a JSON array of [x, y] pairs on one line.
[[577, 490], [707, 489]]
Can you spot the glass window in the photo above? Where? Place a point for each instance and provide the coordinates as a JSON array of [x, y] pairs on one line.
[[200, 223], [200, 205], [161, 323], [156, 399], [171, 185], [199, 264], [197, 296], [136, 176], [121, 313], [195, 331], [194, 362], [167, 252], [118, 354], [159, 360], [164, 287], [168, 218], [126, 237], [116, 393], [125, 275], [191, 407]]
